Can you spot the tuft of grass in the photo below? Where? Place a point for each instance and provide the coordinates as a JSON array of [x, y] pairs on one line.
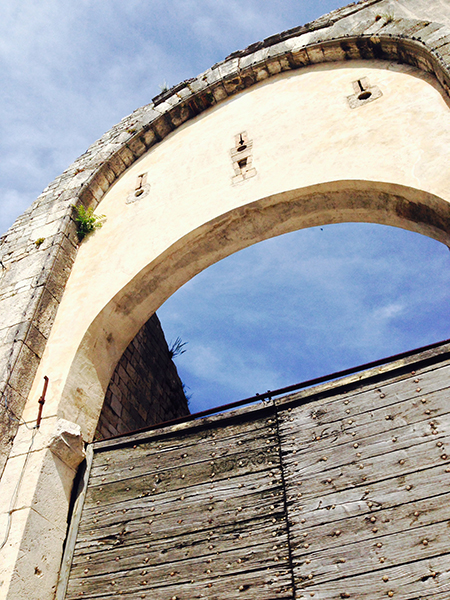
[[39, 242], [163, 87], [177, 347], [186, 394], [86, 221]]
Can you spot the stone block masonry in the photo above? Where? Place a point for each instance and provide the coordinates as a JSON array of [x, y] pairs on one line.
[[186, 232], [145, 388], [33, 277], [32, 280]]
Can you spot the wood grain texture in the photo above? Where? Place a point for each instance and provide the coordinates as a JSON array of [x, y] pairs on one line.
[[188, 515], [367, 479], [337, 492]]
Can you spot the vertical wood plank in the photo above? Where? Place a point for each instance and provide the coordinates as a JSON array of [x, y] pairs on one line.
[[73, 527]]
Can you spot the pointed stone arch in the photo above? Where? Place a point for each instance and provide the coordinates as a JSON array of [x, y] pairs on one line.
[[346, 201], [35, 276], [27, 319]]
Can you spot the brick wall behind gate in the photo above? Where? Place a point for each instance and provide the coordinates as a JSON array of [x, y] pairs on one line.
[[145, 388]]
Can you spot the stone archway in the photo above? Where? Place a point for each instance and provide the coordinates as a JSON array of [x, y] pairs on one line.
[[403, 167], [313, 158], [113, 328]]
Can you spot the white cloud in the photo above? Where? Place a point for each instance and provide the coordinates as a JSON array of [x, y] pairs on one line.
[[385, 314], [221, 364], [70, 70]]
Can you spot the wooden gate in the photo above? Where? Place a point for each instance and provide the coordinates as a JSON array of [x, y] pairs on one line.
[[338, 491]]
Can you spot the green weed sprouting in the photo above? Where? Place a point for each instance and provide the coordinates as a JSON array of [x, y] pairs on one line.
[[86, 221]]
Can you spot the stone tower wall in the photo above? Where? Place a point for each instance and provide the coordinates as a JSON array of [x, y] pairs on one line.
[[145, 388]]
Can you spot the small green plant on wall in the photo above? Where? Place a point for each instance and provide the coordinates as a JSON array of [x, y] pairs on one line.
[[86, 221]]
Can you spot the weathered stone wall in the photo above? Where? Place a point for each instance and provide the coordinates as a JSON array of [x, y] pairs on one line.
[[32, 281], [33, 278], [145, 388]]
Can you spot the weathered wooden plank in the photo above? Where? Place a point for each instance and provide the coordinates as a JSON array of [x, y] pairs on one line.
[[239, 535], [253, 585], [141, 462], [384, 393], [321, 460], [360, 500], [396, 386], [227, 560], [201, 510], [365, 555], [190, 441], [178, 478], [368, 380], [381, 423], [330, 421], [395, 465], [220, 426], [428, 578], [194, 514], [370, 525]]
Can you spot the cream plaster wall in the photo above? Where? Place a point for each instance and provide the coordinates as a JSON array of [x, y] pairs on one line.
[[304, 134], [317, 161]]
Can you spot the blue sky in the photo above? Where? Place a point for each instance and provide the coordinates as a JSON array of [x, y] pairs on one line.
[[307, 304], [285, 310]]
